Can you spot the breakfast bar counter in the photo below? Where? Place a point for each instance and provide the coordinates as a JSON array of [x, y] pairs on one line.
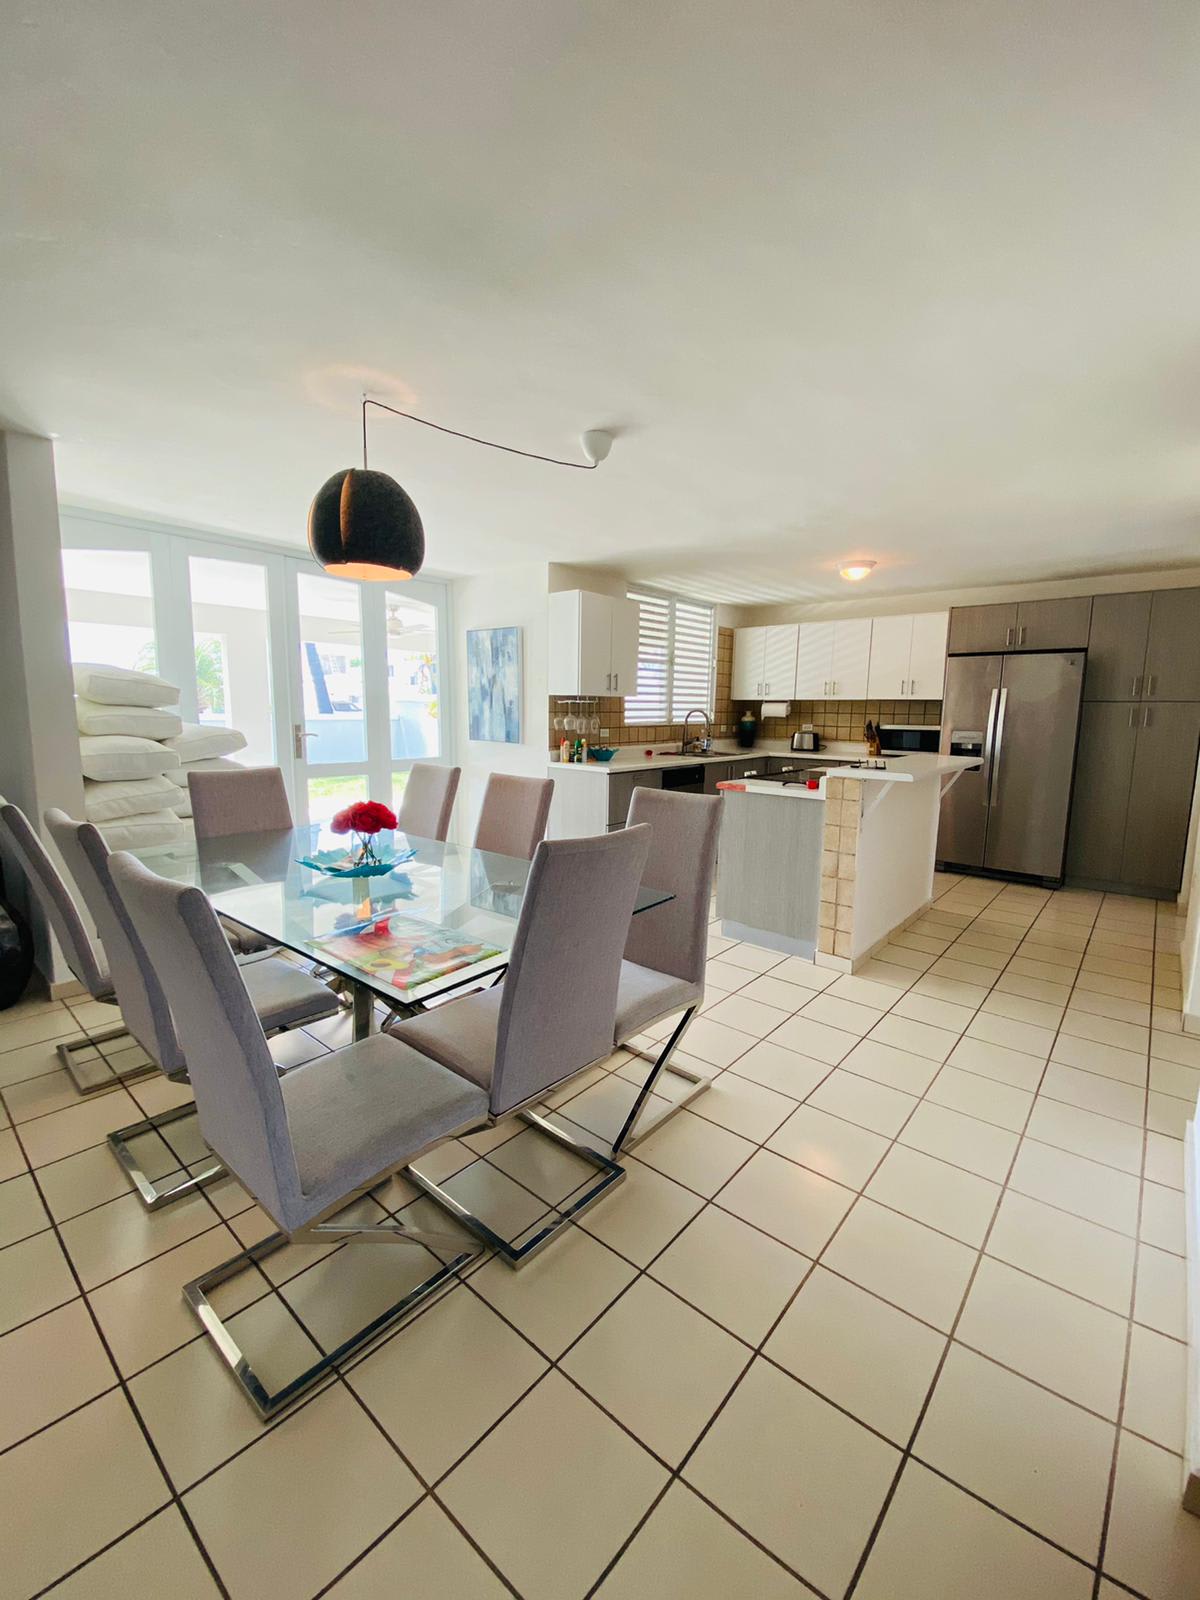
[[829, 871]]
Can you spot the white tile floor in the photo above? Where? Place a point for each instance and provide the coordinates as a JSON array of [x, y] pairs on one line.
[[896, 1310]]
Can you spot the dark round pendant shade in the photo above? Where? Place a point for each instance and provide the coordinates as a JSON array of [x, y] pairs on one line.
[[362, 525]]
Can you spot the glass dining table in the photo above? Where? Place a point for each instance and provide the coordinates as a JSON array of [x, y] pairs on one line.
[[442, 918]]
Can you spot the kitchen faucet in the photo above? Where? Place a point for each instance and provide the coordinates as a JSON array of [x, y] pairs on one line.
[[699, 746]]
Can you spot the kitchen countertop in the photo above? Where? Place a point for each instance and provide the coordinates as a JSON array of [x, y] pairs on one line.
[[899, 769], [630, 758]]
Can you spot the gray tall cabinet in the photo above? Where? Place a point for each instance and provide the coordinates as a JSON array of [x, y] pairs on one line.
[[1138, 742]]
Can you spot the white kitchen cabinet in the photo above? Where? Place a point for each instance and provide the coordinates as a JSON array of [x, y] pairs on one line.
[[814, 660], [851, 658], [764, 662], [779, 662], [593, 643], [832, 659], [749, 645], [908, 656], [927, 664], [891, 650]]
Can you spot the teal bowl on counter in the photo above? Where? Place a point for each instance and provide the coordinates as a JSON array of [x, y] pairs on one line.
[[601, 752]]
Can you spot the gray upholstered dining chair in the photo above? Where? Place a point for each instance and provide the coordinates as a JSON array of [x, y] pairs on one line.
[[665, 953], [304, 1144], [520, 1041], [428, 801], [239, 800], [234, 800], [514, 814], [88, 1066], [282, 995]]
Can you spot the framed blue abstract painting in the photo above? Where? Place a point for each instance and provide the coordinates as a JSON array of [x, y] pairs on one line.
[[494, 685]]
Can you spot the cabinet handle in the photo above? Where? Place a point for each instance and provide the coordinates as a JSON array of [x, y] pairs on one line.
[[1020, 635], [766, 688], [616, 680], [1133, 716], [608, 680], [1146, 718], [1008, 638], [1150, 684]]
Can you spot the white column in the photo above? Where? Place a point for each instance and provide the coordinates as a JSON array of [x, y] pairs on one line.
[[39, 745]]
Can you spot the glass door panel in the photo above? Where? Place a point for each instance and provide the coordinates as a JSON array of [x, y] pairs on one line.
[[110, 608], [412, 677], [231, 633], [331, 671]]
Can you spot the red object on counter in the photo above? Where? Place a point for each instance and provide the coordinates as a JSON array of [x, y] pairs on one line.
[[649, 754], [812, 783]]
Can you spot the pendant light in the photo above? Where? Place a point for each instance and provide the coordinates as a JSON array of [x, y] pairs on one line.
[[363, 525]]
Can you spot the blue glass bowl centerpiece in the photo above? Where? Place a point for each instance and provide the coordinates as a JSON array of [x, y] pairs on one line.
[[337, 864]]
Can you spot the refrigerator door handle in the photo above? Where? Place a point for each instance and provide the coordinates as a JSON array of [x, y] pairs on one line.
[[997, 746], [988, 755]]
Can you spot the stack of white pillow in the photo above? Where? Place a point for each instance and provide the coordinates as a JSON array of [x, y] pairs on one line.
[[136, 753]]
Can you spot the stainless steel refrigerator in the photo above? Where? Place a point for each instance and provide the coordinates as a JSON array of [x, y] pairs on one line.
[[1020, 714]]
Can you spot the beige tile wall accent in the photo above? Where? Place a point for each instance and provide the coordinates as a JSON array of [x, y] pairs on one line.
[[611, 709], [839, 844], [844, 719]]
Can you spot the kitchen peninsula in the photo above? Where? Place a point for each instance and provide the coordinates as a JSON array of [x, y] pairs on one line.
[[830, 871]]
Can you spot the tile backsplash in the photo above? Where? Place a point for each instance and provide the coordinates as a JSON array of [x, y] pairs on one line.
[[843, 719]]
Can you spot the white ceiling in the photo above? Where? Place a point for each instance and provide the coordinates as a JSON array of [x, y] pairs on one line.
[[916, 280]]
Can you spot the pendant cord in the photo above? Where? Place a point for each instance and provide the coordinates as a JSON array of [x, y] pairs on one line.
[[530, 455]]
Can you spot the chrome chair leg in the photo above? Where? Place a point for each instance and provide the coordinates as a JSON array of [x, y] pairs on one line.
[[516, 1256], [268, 1403], [627, 1139], [154, 1195], [91, 1069]]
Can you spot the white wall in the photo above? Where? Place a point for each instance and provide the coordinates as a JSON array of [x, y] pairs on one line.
[[513, 597], [39, 742]]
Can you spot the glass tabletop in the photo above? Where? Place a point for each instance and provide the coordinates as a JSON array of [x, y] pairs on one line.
[[445, 917]]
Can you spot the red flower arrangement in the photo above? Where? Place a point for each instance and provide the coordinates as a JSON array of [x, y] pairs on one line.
[[365, 818]]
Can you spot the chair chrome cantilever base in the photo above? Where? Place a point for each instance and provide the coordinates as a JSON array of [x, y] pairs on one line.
[[516, 1256], [627, 1139], [154, 1197], [268, 1404], [78, 1055]]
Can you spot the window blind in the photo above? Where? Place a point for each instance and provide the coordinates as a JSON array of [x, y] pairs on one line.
[[676, 660]]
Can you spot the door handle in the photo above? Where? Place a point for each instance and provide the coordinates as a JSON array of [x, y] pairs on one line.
[[998, 742], [989, 730], [299, 734]]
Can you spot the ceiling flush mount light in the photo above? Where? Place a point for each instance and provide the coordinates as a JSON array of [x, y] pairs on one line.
[[856, 571], [363, 525]]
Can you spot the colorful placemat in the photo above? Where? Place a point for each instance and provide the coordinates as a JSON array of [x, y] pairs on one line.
[[404, 953]]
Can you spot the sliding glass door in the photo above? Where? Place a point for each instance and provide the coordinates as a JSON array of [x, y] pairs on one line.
[[366, 666], [342, 685]]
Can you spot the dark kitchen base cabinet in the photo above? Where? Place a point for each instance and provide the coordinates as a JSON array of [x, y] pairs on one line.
[[1134, 780]]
